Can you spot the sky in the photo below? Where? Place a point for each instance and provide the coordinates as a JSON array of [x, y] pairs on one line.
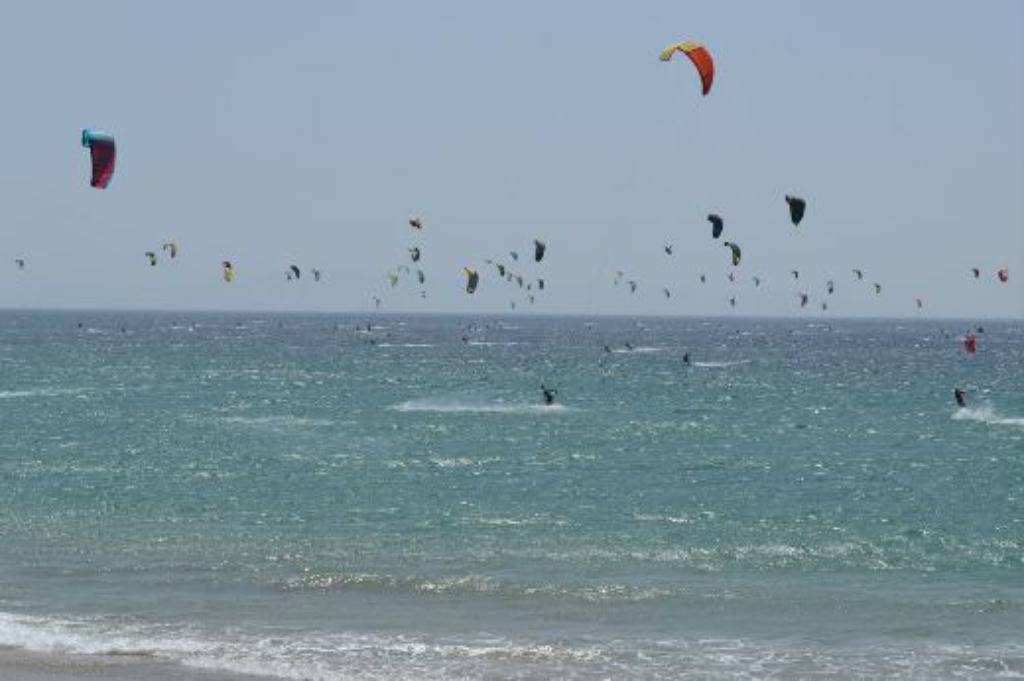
[[271, 133]]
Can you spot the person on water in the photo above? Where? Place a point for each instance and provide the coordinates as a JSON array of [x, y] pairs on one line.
[[549, 394], [686, 358], [961, 396]]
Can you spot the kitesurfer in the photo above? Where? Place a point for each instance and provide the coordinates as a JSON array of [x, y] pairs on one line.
[[549, 394], [961, 396]]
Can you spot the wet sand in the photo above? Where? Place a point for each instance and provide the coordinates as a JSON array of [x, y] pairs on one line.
[[20, 665]]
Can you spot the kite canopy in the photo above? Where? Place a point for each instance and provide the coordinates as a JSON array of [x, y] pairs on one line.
[[472, 279], [701, 58], [1004, 274], [172, 248], [228, 271], [538, 250], [796, 209], [717, 225], [736, 253], [104, 153]]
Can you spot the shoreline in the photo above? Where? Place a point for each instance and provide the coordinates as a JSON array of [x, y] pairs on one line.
[[18, 664]]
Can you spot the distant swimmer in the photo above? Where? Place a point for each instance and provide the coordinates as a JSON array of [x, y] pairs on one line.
[[549, 394], [961, 396]]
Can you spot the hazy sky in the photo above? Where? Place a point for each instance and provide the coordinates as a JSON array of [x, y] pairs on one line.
[[307, 132]]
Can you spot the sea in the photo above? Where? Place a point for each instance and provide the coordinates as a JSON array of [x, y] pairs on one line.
[[325, 497]]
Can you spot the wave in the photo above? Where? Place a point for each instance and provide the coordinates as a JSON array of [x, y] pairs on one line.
[[481, 584], [319, 655], [39, 392], [720, 365], [305, 656], [639, 348], [282, 421], [454, 407], [405, 345], [487, 344], [986, 414]]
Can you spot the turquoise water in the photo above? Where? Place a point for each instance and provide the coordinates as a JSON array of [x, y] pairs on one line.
[[287, 495]]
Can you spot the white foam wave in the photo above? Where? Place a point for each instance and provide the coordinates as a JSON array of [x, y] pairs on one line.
[[655, 518], [462, 462], [987, 414], [405, 345], [720, 365], [640, 348], [319, 656], [453, 407], [39, 392], [310, 656], [283, 421]]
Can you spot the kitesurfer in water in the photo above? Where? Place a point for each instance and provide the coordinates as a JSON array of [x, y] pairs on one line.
[[549, 394], [686, 358], [961, 396]]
